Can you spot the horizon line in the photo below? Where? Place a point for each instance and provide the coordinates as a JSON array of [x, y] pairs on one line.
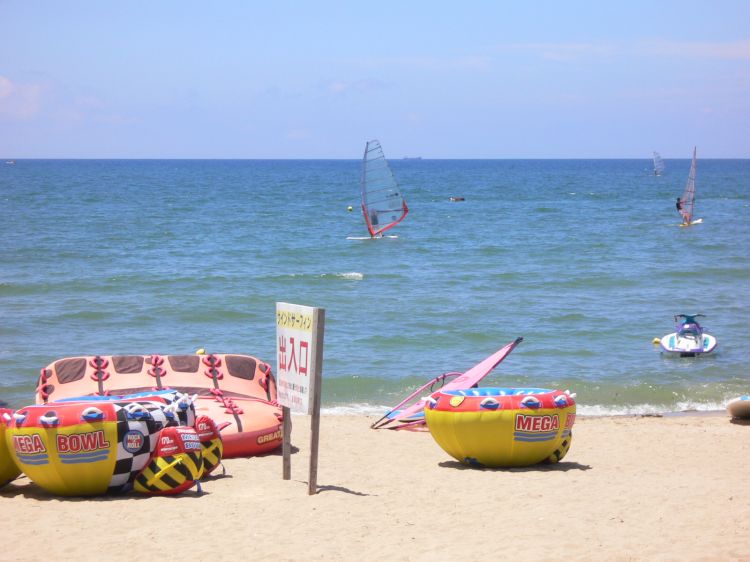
[[409, 158]]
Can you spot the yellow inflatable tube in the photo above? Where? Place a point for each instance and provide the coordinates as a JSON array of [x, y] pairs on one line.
[[84, 448], [502, 427], [8, 468]]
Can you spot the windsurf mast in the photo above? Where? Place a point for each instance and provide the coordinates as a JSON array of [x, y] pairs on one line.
[[383, 204], [658, 164], [688, 197]]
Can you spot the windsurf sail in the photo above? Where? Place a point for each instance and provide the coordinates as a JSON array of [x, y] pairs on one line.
[[383, 204], [688, 197], [430, 386], [466, 380], [658, 164]]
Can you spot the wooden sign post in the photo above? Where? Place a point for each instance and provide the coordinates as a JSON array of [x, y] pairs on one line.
[[299, 354]]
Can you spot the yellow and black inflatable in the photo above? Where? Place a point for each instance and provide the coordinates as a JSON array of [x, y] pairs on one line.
[[502, 427], [176, 465], [85, 448], [95, 445], [212, 445], [8, 468]]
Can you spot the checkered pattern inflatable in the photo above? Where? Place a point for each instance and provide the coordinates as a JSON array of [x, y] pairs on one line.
[[137, 436]]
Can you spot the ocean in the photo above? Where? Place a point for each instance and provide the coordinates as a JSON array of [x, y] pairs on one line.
[[582, 258]]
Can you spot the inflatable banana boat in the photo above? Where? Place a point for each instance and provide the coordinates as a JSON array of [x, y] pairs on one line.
[[237, 391], [502, 427]]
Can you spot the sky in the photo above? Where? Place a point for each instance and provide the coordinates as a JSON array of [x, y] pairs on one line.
[[281, 79]]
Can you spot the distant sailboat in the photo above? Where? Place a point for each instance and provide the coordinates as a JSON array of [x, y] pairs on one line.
[[658, 164], [687, 201], [383, 204]]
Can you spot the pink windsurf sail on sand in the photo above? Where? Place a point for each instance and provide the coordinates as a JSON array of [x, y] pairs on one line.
[[408, 415]]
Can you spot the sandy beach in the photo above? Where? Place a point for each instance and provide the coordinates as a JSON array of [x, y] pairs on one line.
[[631, 488]]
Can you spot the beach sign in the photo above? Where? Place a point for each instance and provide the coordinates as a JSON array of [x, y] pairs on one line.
[[299, 367], [299, 338]]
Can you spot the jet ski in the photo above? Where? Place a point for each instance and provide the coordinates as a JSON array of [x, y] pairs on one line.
[[689, 338]]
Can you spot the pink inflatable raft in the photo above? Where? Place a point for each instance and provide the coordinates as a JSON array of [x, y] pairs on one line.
[[237, 391]]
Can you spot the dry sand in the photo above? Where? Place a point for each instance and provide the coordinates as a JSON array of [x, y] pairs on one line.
[[631, 488]]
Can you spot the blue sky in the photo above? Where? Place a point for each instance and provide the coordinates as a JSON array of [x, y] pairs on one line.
[[182, 79]]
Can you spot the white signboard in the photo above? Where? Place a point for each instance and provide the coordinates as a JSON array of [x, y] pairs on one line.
[[297, 342]]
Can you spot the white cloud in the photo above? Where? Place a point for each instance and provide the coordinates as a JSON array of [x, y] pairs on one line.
[[728, 50], [6, 87], [19, 101], [568, 52], [339, 87]]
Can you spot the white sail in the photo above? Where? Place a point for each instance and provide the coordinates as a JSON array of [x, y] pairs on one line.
[[688, 197], [658, 164], [383, 204]]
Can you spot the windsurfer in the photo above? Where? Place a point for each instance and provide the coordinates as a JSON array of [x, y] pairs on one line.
[[683, 214]]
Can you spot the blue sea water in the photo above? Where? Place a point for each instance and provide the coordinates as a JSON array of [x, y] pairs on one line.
[[583, 258]]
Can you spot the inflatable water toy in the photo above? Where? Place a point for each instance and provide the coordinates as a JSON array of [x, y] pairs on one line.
[[92, 447], [739, 408], [212, 445], [238, 392], [689, 338], [8, 468], [176, 464], [409, 413], [502, 427]]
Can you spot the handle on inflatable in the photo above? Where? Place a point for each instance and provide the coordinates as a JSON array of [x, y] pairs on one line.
[[185, 400], [49, 419], [489, 404], [92, 414], [211, 361], [99, 363], [135, 410], [224, 425], [531, 402]]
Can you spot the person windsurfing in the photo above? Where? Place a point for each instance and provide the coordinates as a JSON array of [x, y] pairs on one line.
[[683, 214]]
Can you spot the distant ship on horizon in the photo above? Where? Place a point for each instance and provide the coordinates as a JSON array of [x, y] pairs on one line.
[[412, 157]]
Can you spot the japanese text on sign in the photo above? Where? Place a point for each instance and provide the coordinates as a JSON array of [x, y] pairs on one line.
[[293, 320], [296, 333]]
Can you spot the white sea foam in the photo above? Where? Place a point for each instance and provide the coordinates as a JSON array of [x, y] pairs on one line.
[[364, 409], [351, 275], [367, 409]]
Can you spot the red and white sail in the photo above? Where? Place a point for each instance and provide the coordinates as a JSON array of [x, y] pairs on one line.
[[688, 197], [383, 204]]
